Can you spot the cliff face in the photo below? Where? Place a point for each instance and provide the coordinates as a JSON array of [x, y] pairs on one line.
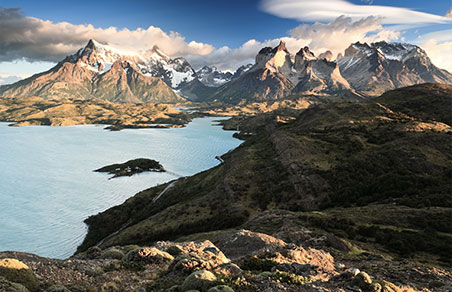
[[276, 75]]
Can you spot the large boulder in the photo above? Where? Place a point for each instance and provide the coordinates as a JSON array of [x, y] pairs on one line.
[[18, 272], [199, 280], [205, 250], [148, 255], [243, 243], [194, 256]]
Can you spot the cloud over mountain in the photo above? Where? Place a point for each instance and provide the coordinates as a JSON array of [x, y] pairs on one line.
[[33, 39], [335, 36]]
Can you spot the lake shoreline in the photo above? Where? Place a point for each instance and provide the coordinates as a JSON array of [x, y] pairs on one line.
[[203, 132]]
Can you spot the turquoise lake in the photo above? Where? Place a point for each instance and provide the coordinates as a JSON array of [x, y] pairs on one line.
[[48, 187]]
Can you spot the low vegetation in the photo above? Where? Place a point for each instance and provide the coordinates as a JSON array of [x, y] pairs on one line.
[[343, 159]]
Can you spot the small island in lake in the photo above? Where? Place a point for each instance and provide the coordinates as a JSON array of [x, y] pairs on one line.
[[132, 167]]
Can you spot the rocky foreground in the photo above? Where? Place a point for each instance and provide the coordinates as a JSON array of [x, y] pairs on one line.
[[238, 260], [36, 111]]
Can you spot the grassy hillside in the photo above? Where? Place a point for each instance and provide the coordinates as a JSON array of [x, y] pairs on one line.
[[376, 174]]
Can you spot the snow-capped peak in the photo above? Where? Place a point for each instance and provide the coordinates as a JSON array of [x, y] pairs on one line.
[[154, 62], [396, 51], [390, 51]]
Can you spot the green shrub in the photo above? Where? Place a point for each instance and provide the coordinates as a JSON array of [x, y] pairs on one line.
[[254, 263], [112, 253]]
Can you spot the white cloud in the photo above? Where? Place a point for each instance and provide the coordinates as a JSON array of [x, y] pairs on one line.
[[439, 36], [8, 79], [449, 13], [329, 10], [438, 46], [229, 59], [335, 36], [339, 34], [34, 39]]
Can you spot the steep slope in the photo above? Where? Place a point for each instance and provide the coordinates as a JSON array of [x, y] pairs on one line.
[[346, 159], [318, 75], [381, 66], [265, 80], [99, 71]]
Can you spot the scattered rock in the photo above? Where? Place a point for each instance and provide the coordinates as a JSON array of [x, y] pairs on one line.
[[351, 273], [199, 280], [362, 280], [229, 269], [188, 263], [17, 272], [205, 250], [295, 268], [375, 287]]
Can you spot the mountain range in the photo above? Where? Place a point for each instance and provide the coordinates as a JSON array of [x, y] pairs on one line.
[[101, 71]]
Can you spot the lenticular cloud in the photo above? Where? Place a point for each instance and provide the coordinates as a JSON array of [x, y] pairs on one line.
[[328, 10]]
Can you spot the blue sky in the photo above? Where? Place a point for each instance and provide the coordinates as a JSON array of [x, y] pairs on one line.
[[221, 30], [219, 23]]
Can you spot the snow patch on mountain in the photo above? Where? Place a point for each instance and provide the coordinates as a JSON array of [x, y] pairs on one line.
[[211, 76], [154, 63]]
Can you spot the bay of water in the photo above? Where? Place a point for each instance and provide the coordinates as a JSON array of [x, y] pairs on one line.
[[48, 187]]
